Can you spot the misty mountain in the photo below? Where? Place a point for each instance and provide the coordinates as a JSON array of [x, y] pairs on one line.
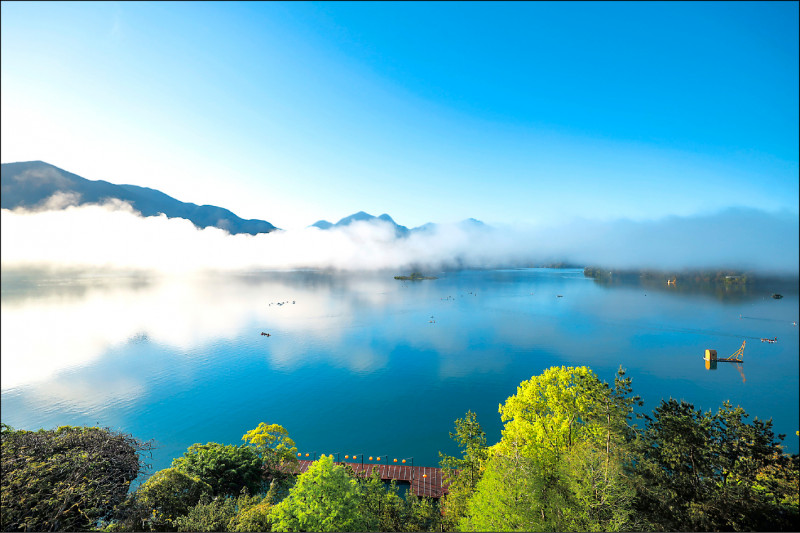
[[322, 224], [361, 216], [39, 186], [467, 224]]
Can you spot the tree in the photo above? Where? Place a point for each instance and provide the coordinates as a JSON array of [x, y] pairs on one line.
[[165, 496], [227, 468], [548, 414], [504, 496], [276, 450], [208, 515], [598, 491], [422, 514], [253, 514], [325, 498], [65, 479], [225, 513], [559, 427], [714, 471], [463, 474], [380, 506]]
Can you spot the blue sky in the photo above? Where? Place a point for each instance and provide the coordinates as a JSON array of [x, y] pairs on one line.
[[510, 113]]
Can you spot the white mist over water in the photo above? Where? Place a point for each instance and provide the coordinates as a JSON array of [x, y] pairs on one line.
[[115, 236]]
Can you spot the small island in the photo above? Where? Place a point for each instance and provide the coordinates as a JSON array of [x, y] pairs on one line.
[[415, 276]]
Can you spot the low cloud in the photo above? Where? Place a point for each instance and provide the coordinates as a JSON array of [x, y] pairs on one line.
[[60, 200], [115, 236]]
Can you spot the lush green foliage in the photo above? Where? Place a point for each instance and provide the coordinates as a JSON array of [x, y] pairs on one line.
[[276, 451], [226, 468], [714, 472], [252, 515], [208, 515], [560, 464], [64, 479], [463, 474], [569, 459], [502, 501], [421, 514], [325, 498], [167, 495], [384, 510]]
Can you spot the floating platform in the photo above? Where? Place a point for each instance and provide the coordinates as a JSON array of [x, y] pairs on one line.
[[711, 358]]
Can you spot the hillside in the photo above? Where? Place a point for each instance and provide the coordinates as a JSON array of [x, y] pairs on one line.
[[30, 184]]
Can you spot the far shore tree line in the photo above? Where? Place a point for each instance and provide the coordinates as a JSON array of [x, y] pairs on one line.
[[728, 277], [572, 457]]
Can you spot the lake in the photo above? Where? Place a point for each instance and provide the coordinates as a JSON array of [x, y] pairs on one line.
[[362, 363]]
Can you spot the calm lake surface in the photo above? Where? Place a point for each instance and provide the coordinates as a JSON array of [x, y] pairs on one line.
[[363, 363]]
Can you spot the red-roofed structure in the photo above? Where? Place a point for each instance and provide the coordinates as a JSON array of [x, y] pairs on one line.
[[425, 480]]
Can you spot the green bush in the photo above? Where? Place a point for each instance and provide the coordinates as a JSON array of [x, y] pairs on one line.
[[69, 478], [252, 516], [226, 468], [208, 515], [325, 498], [169, 494]]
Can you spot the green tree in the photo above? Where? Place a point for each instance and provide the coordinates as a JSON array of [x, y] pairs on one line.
[[325, 498], [777, 483], [227, 468], [380, 506], [276, 450], [597, 490], [208, 514], [547, 415], [557, 426], [422, 514], [165, 496], [65, 479], [503, 499], [254, 515], [694, 465], [462, 475]]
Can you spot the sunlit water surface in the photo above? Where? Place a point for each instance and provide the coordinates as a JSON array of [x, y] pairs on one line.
[[363, 363]]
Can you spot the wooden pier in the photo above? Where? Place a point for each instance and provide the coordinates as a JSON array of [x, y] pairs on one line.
[[425, 480]]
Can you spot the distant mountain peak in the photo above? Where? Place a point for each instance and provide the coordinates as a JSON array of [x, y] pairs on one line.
[[322, 224], [355, 217], [362, 216], [466, 224], [472, 223]]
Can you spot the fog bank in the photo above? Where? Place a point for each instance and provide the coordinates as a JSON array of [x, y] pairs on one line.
[[113, 236]]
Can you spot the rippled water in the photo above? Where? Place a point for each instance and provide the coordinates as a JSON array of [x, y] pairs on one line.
[[363, 363]]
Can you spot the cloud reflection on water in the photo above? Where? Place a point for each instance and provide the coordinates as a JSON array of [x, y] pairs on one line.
[[190, 346]]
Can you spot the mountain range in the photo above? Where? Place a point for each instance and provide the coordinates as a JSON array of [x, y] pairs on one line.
[[33, 185], [361, 216]]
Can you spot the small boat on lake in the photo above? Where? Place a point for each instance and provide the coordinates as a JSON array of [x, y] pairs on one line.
[[771, 341]]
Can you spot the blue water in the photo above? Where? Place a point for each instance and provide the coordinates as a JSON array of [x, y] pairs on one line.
[[363, 363]]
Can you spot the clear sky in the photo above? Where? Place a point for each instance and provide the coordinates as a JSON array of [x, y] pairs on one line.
[[520, 112]]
